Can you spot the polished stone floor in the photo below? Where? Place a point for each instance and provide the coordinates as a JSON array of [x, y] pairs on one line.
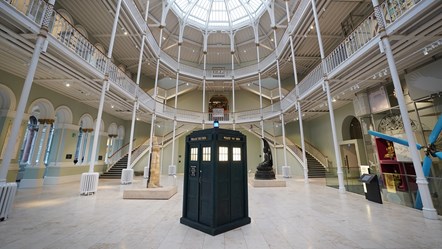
[[297, 216]]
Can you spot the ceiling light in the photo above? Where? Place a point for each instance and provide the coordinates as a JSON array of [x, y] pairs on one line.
[[248, 84], [138, 119], [68, 85], [271, 39], [245, 51], [425, 51], [187, 84], [125, 32], [164, 38], [193, 50], [333, 100], [311, 27], [112, 106]]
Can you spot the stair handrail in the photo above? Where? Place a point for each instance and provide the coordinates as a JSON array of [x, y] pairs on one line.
[[317, 154], [139, 152], [118, 154]]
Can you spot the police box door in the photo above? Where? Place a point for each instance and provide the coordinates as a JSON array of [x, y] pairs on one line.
[[199, 185]]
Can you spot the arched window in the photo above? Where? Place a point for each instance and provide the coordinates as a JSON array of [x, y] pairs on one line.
[[49, 145], [29, 140], [77, 147]]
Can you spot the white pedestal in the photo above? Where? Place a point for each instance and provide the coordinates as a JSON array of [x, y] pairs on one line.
[[163, 193], [146, 172], [267, 183], [89, 183], [172, 170], [127, 176], [286, 171]]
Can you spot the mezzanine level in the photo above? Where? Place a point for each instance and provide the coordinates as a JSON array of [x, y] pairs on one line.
[[356, 59]]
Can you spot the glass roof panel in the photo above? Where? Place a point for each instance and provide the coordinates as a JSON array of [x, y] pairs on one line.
[[219, 14]]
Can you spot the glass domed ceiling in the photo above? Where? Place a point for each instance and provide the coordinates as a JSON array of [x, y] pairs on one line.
[[219, 14]]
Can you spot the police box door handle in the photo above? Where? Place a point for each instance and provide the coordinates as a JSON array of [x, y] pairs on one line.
[[199, 176]]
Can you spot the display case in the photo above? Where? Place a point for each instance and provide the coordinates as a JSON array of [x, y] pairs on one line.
[[402, 173]]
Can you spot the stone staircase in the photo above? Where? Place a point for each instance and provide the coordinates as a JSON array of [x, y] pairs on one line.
[[115, 171], [315, 169]]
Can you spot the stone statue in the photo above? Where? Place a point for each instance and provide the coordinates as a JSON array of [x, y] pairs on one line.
[[265, 168], [154, 172]]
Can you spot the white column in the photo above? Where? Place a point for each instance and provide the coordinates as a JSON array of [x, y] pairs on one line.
[[428, 209], [172, 166], [301, 131], [103, 90], [261, 122], [292, 49], [155, 92], [326, 88], [285, 167], [205, 113], [25, 91], [340, 173], [136, 104], [232, 52]]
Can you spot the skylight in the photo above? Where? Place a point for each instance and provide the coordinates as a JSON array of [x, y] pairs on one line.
[[219, 14]]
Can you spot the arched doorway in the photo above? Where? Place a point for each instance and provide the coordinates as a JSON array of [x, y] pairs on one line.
[[350, 146]]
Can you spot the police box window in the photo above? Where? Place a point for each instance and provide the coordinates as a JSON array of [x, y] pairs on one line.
[[206, 153], [193, 154], [236, 154], [223, 154]]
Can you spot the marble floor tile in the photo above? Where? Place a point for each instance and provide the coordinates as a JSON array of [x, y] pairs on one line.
[[298, 216]]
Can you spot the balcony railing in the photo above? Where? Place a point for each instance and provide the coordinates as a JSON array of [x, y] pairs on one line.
[[70, 37]]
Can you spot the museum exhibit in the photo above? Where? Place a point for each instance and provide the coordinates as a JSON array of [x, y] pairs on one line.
[[215, 191], [220, 123]]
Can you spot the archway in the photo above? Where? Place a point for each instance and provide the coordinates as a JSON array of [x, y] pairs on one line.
[[349, 149], [351, 128], [7, 105], [83, 140]]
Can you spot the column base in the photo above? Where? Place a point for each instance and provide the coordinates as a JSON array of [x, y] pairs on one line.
[[286, 171], [430, 214], [146, 172], [127, 176], [89, 183], [172, 170]]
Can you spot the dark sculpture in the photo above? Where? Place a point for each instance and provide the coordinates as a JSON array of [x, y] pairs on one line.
[[265, 168]]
